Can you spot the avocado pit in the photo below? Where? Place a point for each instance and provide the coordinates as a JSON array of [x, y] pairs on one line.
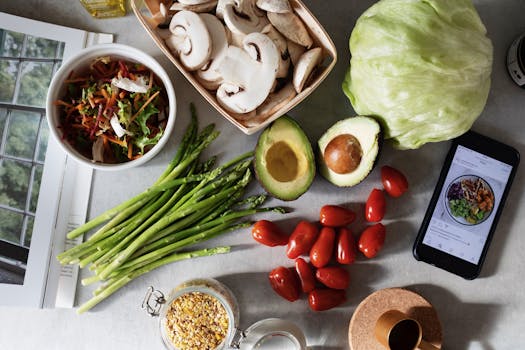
[[348, 150], [343, 154]]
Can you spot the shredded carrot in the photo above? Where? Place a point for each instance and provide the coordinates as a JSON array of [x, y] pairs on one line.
[[114, 140], [62, 103], [75, 80], [136, 101], [130, 150], [150, 80], [77, 126], [104, 93], [111, 101], [80, 106], [105, 144], [152, 97]]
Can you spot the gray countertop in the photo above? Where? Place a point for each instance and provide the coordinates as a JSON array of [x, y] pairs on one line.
[[486, 314]]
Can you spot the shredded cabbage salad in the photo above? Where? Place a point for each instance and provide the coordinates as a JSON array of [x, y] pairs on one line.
[[113, 112]]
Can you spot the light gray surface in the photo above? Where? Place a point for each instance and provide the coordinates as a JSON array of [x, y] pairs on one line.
[[487, 313]]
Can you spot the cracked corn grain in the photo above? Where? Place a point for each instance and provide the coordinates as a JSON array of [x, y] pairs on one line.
[[196, 321]]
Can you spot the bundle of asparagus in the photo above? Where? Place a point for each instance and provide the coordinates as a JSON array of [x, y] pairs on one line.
[[189, 203]]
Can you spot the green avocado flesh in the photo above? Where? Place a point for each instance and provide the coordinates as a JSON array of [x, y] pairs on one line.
[[348, 150], [284, 160]]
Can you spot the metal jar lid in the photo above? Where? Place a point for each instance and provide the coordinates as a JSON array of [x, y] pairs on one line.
[[516, 61]]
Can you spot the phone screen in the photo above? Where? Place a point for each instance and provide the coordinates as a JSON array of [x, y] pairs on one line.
[[467, 204]]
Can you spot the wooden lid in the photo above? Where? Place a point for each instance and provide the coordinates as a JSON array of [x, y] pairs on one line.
[[361, 329]]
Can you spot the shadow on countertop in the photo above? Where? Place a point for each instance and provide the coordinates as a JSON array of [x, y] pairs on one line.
[[463, 323], [323, 330]]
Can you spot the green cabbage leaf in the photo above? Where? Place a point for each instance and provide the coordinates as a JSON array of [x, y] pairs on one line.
[[422, 67]]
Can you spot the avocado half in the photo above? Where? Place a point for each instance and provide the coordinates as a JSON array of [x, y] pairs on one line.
[[348, 150], [284, 160]]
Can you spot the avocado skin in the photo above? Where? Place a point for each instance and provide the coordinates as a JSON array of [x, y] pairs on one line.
[[342, 126], [287, 130]]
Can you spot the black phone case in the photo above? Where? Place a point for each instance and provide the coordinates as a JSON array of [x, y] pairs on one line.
[[438, 258]]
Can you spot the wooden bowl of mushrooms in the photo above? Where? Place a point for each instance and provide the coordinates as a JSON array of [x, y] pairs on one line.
[[253, 60]]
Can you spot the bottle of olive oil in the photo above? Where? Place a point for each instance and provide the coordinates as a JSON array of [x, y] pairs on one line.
[[105, 8]]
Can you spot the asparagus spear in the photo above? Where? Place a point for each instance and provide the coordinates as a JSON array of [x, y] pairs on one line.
[[187, 204], [125, 279]]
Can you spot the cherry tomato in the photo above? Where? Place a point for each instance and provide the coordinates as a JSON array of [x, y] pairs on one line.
[[375, 206], [323, 247], [324, 299], [268, 233], [335, 277], [302, 239], [394, 182], [336, 216], [285, 282], [372, 240], [346, 247], [306, 275]]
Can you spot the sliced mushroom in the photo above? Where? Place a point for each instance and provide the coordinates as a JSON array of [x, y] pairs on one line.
[[153, 6], [245, 18], [295, 51], [291, 26], [244, 117], [205, 6], [234, 39], [177, 43], [278, 6], [161, 16], [275, 101], [209, 75], [248, 73], [190, 39], [281, 44], [221, 4], [305, 67], [250, 7], [193, 2]]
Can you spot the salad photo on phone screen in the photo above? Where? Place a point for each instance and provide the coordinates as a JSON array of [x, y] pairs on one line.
[[470, 196], [469, 200]]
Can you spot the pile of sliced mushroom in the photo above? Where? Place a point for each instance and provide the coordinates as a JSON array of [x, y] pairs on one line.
[[255, 55]]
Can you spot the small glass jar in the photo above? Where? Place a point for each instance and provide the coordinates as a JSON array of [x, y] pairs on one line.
[[105, 8], [516, 61], [267, 334]]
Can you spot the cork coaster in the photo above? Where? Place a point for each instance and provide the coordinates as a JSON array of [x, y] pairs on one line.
[[361, 330]]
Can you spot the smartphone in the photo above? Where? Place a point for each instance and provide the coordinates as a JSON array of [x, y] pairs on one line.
[[467, 202]]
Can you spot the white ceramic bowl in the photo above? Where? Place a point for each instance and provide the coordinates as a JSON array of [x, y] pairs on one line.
[[80, 62]]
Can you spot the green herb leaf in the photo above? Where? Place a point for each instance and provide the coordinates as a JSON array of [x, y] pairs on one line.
[[124, 111], [143, 141], [143, 117]]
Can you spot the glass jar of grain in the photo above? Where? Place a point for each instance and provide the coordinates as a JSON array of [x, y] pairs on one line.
[[203, 314]]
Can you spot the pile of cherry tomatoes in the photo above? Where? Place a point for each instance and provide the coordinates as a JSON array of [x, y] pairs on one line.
[[325, 284]]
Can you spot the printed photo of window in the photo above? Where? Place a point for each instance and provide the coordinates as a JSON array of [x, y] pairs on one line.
[[27, 64]]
